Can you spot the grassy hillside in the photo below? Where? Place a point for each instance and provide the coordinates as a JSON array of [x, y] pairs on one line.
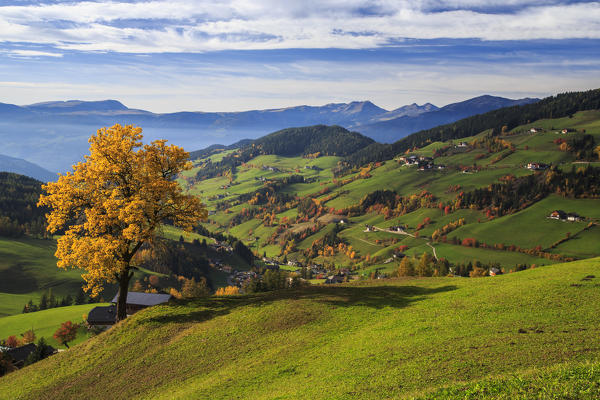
[[566, 381], [45, 323], [28, 268], [375, 339], [467, 169]]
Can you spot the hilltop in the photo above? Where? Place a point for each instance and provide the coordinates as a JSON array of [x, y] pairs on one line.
[[380, 339]]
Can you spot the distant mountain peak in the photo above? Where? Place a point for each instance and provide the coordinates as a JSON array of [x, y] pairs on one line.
[[79, 105]]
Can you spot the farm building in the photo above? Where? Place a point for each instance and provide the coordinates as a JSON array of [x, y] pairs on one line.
[[102, 317], [136, 301]]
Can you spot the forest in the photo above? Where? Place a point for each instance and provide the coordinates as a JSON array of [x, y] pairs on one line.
[[19, 214]]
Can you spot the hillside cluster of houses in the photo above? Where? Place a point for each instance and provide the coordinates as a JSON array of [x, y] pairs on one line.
[[564, 216], [423, 163], [221, 247], [538, 130]]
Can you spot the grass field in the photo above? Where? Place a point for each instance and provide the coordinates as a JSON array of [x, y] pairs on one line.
[[401, 338], [28, 268], [531, 227], [45, 323]]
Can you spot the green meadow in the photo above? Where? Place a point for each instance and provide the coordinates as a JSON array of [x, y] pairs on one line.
[[27, 269], [44, 323], [399, 338]]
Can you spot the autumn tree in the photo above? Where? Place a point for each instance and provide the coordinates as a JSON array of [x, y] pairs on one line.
[[66, 333], [113, 202], [423, 268], [192, 289], [227, 291], [406, 267], [28, 336], [12, 341]]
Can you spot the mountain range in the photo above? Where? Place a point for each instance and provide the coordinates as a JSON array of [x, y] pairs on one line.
[[54, 134]]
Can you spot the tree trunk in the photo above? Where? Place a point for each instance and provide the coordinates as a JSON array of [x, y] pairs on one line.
[[122, 299]]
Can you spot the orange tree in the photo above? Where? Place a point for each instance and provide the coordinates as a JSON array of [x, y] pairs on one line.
[[113, 202], [66, 333]]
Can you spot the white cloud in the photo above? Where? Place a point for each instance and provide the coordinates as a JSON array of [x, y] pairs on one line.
[[199, 26], [33, 53]]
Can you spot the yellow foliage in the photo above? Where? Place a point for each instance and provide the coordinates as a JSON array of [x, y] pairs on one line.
[[114, 201], [227, 291], [175, 293]]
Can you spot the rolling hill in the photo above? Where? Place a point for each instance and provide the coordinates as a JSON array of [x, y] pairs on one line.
[[403, 338]]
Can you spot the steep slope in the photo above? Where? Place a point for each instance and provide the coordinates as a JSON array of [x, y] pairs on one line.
[[394, 129], [378, 339], [22, 167]]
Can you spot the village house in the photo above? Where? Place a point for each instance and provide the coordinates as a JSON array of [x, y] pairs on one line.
[[396, 228], [563, 216], [104, 317], [425, 163], [557, 214], [535, 166], [332, 279], [495, 271], [19, 355], [409, 160], [574, 217]]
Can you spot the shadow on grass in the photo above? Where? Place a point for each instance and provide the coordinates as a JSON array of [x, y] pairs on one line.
[[16, 279], [337, 296]]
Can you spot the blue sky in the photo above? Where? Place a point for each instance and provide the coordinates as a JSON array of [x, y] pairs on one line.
[[236, 55]]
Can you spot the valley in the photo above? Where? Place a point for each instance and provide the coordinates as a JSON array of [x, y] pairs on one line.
[[463, 266]]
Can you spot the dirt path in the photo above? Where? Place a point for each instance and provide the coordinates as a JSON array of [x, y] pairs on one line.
[[402, 232], [395, 232], [366, 241], [432, 248]]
